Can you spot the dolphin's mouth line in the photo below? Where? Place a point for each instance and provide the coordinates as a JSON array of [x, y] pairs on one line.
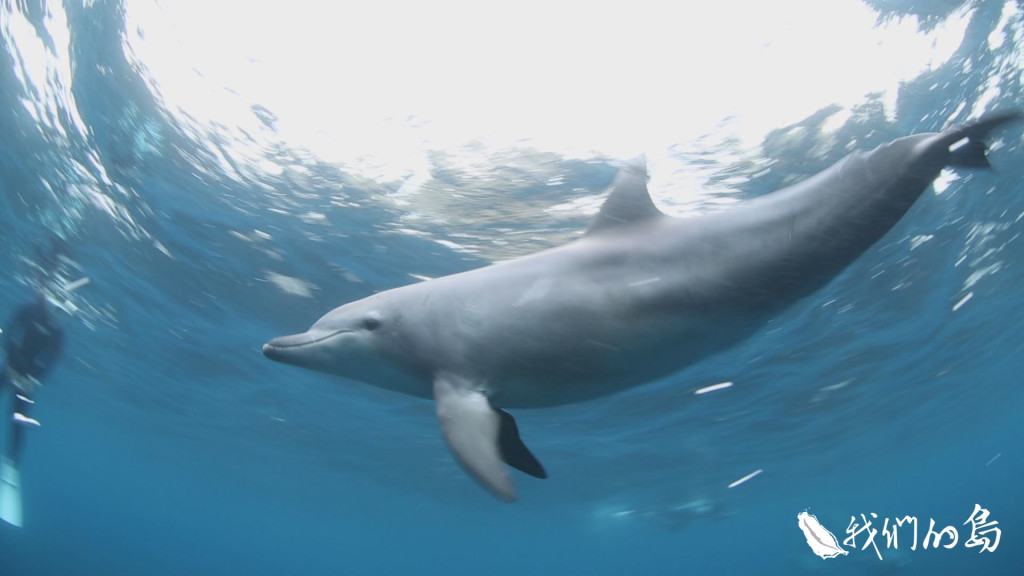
[[277, 343]]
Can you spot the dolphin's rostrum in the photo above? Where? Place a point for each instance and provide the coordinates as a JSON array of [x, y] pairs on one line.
[[641, 295]]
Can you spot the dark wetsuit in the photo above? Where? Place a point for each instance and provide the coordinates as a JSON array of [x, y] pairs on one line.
[[32, 344]]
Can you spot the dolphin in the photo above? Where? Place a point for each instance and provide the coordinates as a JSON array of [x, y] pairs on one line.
[[639, 296]]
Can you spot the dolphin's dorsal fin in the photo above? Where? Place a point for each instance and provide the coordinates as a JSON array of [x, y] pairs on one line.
[[629, 201]]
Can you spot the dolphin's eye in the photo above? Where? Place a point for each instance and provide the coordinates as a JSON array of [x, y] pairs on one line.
[[371, 323]]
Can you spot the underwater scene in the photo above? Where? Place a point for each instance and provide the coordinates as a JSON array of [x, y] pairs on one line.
[[511, 288]]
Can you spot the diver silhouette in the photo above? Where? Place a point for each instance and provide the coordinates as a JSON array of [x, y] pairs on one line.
[[32, 346], [33, 341]]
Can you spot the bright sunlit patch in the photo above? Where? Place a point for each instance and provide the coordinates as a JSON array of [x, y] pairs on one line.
[[967, 298], [713, 388], [745, 478], [290, 285], [836, 121], [997, 37], [943, 180], [72, 286], [920, 239], [373, 86]]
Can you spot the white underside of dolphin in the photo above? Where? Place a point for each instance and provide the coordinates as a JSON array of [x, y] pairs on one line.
[[641, 295]]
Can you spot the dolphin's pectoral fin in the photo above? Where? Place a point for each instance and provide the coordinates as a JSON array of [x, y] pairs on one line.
[[513, 451], [472, 430], [629, 201]]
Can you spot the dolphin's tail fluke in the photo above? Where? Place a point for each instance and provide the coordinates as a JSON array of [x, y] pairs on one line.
[[966, 143]]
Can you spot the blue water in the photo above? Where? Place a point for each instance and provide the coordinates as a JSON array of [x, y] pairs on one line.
[[169, 444]]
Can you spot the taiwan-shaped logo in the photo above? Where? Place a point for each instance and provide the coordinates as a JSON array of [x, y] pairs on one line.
[[822, 542]]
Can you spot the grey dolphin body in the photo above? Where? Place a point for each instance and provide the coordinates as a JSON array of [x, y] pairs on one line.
[[641, 295]]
